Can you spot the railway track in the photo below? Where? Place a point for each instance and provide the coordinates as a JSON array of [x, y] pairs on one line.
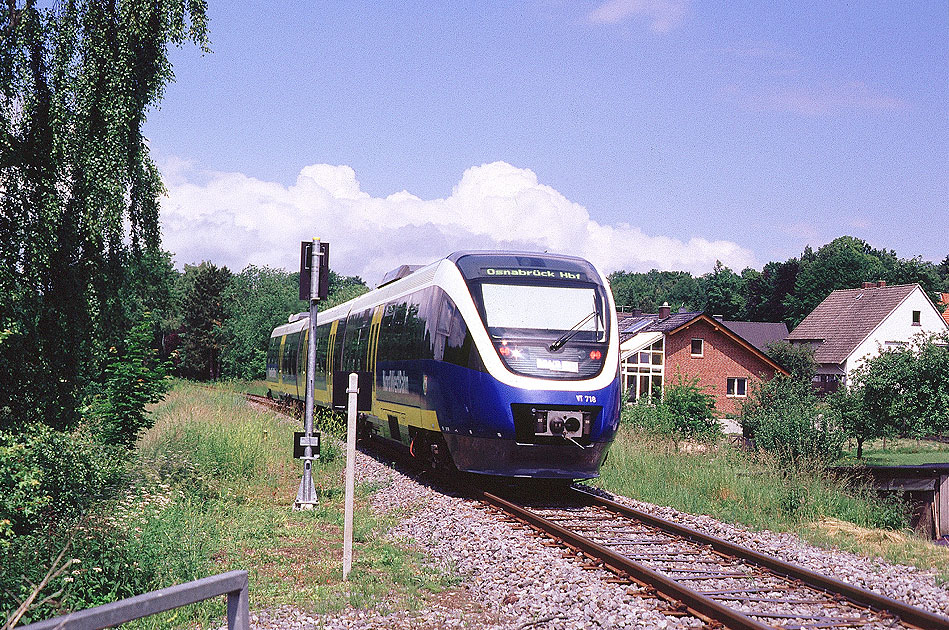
[[713, 579], [698, 574], [271, 403]]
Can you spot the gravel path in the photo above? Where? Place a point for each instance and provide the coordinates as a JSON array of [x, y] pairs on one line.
[[512, 581]]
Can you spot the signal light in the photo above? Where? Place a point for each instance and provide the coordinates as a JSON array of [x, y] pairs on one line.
[[504, 351], [596, 355]]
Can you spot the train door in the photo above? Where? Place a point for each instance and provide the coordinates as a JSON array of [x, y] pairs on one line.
[[280, 362], [374, 348], [333, 348], [302, 363]]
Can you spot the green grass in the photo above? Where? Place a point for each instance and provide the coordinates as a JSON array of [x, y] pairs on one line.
[[899, 452], [227, 481], [736, 487]]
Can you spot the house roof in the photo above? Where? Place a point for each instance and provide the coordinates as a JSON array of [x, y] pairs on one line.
[[639, 326], [846, 318], [944, 300], [759, 334], [631, 325]]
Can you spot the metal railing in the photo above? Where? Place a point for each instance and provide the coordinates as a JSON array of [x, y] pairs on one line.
[[233, 584]]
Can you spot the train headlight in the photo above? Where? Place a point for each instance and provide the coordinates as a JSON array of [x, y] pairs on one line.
[[556, 426], [571, 424]]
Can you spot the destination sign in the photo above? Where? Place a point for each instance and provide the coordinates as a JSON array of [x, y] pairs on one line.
[[504, 272]]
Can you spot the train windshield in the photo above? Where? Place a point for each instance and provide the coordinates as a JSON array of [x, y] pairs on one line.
[[547, 311]]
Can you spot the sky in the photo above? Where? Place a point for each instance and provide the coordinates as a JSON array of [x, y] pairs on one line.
[[638, 134]]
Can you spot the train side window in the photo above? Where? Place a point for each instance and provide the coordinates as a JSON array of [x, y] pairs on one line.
[[357, 341], [400, 334], [425, 333], [387, 330]]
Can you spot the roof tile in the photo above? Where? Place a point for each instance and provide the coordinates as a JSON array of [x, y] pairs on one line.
[[846, 317]]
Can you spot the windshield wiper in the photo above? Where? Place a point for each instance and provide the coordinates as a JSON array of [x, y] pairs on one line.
[[567, 336]]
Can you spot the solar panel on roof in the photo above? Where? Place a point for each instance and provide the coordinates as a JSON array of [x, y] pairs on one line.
[[637, 326]]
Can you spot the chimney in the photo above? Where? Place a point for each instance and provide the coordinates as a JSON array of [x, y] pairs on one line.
[[869, 285], [881, 283], [665, 310]]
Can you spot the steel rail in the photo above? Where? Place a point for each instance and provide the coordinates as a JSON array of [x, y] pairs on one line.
[[905, 612], [693, 599]]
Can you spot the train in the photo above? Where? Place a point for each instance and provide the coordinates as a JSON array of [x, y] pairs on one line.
[[496, 363]]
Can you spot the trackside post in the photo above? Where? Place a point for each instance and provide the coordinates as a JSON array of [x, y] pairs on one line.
[[306, 494], [353, 391]]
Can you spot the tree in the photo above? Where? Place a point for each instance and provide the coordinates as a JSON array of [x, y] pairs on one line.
[[647, 291], [765, 292], [942, 270], [798, 359], [134, 377], [256, 300], [691, 407], [905, 391], [80, 191], [785, 419], [915, 271], [724, 292], [844, 263], [203, 320], [342, 289], [259, 299]]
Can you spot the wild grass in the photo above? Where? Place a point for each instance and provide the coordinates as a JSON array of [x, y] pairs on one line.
[[225, 482], [726, 483]]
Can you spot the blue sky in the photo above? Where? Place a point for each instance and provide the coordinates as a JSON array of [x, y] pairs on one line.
[[637, 133]]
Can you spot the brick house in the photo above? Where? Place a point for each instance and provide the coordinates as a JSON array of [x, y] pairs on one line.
[[852, 325], [656, 348]]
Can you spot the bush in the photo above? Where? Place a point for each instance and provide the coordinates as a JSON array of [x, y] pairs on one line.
[[134, 378], [49, 478], [785, 419], [49, 482], [685, 410]]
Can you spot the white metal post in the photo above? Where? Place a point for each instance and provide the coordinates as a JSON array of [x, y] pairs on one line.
[[353, 391], [306, 494]]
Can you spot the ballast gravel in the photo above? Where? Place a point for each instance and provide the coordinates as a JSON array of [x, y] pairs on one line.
[[511, 580]]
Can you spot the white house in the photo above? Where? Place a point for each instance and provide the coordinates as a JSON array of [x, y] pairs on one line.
[[852, 325]]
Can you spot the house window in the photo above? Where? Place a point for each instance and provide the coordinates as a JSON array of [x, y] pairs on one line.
[[643, 372], [736, 387], [698, 347], [916, 318]]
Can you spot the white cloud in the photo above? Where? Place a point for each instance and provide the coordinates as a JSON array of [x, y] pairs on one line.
[[663, 15], [234, 220]]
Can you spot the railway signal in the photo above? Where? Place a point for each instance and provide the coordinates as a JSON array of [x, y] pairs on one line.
[[314, 266]]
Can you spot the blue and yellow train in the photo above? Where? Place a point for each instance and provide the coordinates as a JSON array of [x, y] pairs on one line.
[[499, 363]]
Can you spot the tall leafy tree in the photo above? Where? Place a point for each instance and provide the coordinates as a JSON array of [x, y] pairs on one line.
[[724, 292], [203, 320], [942, 270], [905, 391], [766, 291], [844, 263], [256, 300], [79, 188], [647, 291]]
